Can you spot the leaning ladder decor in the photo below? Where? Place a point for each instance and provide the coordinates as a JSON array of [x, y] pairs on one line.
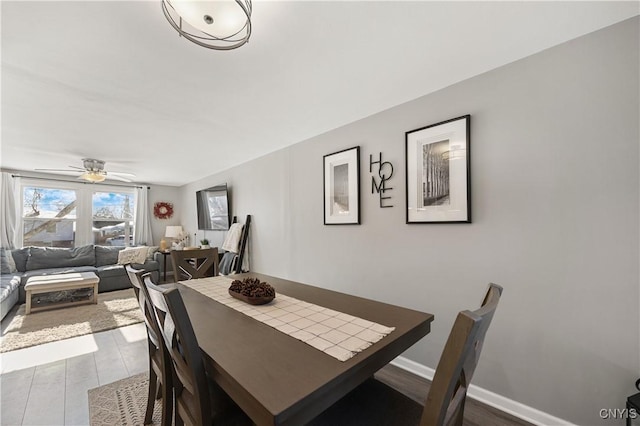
[[243, 243]]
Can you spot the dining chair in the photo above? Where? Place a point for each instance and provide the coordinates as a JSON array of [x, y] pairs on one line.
[[159, 361], [375, 403], [195, 263], [197, 399]]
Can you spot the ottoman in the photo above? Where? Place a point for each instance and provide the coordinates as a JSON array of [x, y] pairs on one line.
[[61, 282]]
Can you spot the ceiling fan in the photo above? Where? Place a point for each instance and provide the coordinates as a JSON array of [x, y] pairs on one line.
[[93, 171]]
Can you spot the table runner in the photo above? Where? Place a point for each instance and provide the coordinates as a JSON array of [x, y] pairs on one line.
[[335, 333]]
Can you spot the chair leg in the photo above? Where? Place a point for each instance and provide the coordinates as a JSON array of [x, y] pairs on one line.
[[153, 384], [167, 405]]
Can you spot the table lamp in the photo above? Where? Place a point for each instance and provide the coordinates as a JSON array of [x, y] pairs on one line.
[[170, 232]]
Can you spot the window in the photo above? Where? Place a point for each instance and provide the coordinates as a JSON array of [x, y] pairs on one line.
[[70, 215], [48, 217], [112, 219]]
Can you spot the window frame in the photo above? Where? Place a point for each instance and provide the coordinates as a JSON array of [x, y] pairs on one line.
[[84, 205], [128, 236]]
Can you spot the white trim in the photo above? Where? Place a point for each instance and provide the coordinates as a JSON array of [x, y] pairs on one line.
[[500, 402]]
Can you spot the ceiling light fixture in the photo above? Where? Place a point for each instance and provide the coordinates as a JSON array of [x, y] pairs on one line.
[[93, 176], [218, 25], [94, 170]]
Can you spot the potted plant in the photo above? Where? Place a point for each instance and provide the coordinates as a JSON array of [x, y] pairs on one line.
[[204, 243]]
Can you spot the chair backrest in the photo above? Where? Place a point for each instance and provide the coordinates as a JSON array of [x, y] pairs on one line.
[[191, 392], [445, 402], [136, 277], [196, 263]]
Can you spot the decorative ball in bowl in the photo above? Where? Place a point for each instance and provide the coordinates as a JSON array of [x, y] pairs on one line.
[[252, 291]]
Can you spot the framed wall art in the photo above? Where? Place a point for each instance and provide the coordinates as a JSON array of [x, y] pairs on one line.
[[438, 172], [342, 187]]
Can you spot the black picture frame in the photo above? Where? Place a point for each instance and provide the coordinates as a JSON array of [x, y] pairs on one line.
[[341, 182], [438, 172]]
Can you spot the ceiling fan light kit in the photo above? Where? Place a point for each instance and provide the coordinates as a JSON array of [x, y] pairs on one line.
[[218, 25], [93, 176]]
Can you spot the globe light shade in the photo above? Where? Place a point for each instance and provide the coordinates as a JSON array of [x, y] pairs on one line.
[[220, 24]]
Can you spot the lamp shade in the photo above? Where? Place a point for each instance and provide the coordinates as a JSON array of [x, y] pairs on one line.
[[173, 232]]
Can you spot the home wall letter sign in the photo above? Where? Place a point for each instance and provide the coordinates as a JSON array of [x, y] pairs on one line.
[[384, 167]]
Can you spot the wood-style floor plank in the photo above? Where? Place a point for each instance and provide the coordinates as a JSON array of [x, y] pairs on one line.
[[45, 405], [55, 392], [14, 394], [417, 388]]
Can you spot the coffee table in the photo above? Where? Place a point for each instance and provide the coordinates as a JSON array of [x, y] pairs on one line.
[[61, 282]]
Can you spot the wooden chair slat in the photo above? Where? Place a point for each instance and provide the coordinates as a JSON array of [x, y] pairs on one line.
[[196, 263]]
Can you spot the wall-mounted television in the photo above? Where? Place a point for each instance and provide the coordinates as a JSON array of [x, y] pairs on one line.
[[213, 208]]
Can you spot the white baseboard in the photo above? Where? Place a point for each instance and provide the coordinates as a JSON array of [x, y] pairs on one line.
[[500, 402]]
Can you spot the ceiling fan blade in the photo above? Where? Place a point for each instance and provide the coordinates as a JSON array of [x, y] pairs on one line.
[[122, 174], [116, 177], [57, 170], [82, 169]]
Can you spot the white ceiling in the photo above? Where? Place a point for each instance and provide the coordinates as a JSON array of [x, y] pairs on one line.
[[112, 80]]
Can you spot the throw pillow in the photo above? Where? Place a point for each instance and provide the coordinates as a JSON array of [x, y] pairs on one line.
[[7, 264], [133, 255], [20, 257], [151, 252], [106, 255]]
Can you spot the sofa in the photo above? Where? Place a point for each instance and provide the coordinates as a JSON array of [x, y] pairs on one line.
[[18, 265]]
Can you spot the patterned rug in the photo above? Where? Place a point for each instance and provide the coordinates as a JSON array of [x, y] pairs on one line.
[[114, 309], [122, 403]]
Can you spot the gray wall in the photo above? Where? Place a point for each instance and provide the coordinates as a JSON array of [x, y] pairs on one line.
[[167, 194], [555, 195]]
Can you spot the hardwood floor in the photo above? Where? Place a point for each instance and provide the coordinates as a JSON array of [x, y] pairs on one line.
[[48, 384], [417, 388]]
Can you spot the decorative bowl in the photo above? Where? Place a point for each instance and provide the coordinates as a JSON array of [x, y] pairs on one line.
[[251, 300], [252, 291]]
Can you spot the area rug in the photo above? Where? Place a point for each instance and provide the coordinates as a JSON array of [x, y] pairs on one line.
[[114, 309], [122, 403]]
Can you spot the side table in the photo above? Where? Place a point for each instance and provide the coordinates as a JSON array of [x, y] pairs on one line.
[[165, 254]]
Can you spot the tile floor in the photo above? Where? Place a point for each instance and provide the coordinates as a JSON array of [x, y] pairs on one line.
[[47, 384]]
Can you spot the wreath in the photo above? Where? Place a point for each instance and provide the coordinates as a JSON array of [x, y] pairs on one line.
[[163, 210]]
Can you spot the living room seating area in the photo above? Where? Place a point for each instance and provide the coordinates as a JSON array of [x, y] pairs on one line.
[[18, 265]]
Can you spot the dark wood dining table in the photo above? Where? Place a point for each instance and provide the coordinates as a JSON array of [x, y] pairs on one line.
[[279, 380]]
